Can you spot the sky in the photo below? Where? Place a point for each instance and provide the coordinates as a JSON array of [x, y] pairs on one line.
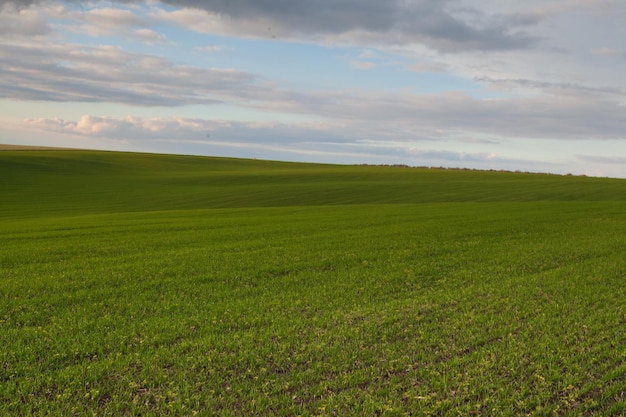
[[529, 85]]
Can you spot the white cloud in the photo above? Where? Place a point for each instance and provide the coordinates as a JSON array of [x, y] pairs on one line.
[[148, 36], [98, 21]]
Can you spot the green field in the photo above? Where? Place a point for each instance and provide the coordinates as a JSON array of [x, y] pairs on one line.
[[139, 285]]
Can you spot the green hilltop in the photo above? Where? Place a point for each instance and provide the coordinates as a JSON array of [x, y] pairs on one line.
[[63, 182]]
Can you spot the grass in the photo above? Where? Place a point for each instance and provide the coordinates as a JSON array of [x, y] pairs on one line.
[[134, 284]]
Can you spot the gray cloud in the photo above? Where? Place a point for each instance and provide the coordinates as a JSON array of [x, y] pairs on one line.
[[76, 73], [612, 160], [429, 22], [572, 116], [555, 88], [16, 22], [20, 4]]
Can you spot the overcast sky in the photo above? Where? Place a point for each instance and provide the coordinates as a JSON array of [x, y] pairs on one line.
[[531, 85]]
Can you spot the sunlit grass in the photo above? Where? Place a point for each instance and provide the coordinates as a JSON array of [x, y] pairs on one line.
[[153, 285]]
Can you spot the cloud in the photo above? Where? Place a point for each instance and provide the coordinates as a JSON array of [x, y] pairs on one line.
[[171, 133], [77, 73], [382, 116], [103, 21], [554, 88], [20, 4], [611, 160], [295, 141], [363, 65], [210, 48], [175, 127], [606, 51], [427, 67], [148, 36], [329, 140], [600, 166], [451, 156], [480, 141], [16, 23], [106, 21], [128, 127], [433, 23], [571, 116]]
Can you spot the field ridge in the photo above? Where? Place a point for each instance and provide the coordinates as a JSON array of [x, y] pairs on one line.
[[78, 181]]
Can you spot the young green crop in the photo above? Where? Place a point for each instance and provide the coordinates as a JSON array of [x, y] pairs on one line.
[[64, 183], [320, 290]]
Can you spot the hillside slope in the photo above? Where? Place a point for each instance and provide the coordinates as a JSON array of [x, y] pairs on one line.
[[68, 182], [136, 284]]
